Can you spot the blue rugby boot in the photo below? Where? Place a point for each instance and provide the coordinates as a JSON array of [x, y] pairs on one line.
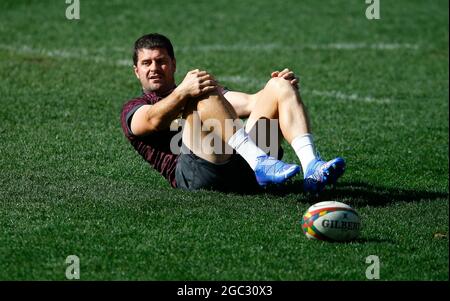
[[270, 170], [320, 173]]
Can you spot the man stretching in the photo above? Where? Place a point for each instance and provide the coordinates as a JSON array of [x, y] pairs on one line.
[[198, 99]]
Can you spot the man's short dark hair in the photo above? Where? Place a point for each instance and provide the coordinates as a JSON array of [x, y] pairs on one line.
[[151, 41]]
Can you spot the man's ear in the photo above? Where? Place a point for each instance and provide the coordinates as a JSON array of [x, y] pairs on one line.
[[135, 68], [174, 65]]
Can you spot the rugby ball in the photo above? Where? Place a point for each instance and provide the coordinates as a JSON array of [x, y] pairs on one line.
[[331, 221]]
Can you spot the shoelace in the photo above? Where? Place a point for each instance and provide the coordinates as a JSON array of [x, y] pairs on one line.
[[277, 165], [317, 175]]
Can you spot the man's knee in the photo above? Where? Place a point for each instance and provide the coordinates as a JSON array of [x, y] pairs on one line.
[[280, 86], [207, 100]]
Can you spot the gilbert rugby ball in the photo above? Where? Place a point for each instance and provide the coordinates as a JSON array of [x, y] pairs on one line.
[[331, 221]]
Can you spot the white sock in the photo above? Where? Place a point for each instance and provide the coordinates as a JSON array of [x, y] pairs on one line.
[[303, 146], [245, 147]]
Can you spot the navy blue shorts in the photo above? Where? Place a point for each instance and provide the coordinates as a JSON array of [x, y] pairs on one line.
[[234, 175]]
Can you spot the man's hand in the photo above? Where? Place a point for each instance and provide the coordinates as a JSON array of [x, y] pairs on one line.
[[196, 83], [287, 75]]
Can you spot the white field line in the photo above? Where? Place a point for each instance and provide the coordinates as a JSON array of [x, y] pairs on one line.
[[329, 46], [83, 54], [272, 46], [354, 46], [351, 97], [238, 79], [86, 54], [327, 94]]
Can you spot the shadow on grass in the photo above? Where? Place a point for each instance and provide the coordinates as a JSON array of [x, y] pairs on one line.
[[361, 193], [364, 240]]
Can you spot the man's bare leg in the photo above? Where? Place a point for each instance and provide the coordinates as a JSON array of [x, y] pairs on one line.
[[208, 107], [281, 100], [215, 107]]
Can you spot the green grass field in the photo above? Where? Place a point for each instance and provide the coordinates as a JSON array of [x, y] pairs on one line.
[[376, 90]]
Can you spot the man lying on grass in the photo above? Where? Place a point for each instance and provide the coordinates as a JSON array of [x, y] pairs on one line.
[[217, 150]]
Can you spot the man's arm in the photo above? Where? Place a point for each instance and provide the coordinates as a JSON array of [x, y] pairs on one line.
[[152, 118]]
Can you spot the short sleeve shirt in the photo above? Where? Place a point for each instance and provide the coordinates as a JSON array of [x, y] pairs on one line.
[[154, 148]]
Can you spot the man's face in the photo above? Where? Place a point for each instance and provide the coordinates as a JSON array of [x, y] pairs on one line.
[[155, 70]]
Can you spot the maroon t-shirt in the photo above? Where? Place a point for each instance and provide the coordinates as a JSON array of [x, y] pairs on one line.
[[154, 148]]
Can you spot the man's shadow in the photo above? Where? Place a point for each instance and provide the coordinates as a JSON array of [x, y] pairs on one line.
[[360, 193]]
